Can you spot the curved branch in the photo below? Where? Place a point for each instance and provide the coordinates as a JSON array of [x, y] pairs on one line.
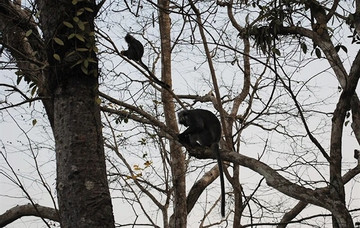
[[199, 187], [28, 210], [290, 215], [332, 10], [355, 103], [320, 196]]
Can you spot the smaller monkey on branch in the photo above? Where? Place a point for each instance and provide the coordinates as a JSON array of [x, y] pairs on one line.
[[135, 52]]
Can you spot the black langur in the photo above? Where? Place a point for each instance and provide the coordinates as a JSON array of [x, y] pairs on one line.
[[135, 49], [203, 129], [135, 52]]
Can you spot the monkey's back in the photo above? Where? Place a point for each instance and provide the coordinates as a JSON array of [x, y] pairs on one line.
[[135, 50], [210, 124]]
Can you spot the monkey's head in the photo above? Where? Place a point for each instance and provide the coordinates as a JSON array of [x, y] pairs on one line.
[[129, 38], [183, 118]]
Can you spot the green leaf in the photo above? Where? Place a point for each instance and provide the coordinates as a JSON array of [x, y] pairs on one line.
[[68, 24], [304, 47], [74, 2], [337, 48], [277, 51], [76, 19], [84, 70], [89, 9], [80, 37], [318, 53], [77, 63], [86, 63], [33, 90], [91, 60], [98, 100], [70, 53], [80, 11], [58, 41], [81, 25], [28, 32], [82, 49], [72, 35], [57, 57], [19, 79]]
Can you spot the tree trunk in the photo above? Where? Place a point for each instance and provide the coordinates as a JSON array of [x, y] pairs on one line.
[[83, 194], [178, 168]]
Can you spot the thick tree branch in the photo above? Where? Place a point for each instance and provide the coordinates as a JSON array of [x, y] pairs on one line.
[[343, 105], [124, 114], [290, 215], [319, 196], [355, 103], [355, 110], [28, 210], [199, 187]]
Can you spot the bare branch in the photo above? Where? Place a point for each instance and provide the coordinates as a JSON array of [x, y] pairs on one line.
[[28, 210], [290, 215]]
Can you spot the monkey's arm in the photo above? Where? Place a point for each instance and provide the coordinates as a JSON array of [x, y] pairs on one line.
[[184, 139], [189, 140]]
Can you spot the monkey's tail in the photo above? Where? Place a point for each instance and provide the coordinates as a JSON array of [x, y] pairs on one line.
[[156, 80], [162, 84], [215, 149]]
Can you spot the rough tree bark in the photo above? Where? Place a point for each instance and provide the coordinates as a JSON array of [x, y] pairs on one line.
[[83, 193], [178, 219], [67, 82]]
